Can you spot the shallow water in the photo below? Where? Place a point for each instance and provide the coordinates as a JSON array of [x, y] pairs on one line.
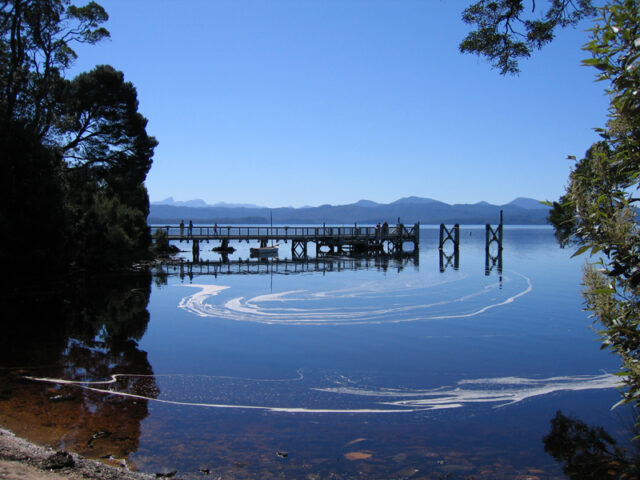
[[362, 369]]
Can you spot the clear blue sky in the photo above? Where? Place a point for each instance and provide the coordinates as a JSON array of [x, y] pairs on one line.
[[300, 102]]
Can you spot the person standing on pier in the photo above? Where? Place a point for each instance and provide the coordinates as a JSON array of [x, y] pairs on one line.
[[190, 227], [181, 229]]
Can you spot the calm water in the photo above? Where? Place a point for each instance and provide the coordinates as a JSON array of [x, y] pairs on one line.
[[363, 369]]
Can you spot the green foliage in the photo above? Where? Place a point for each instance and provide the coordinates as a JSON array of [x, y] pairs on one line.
[[601, 198], [161, 240], [32, 215], [78, 151], [100, 127], [505, 33], [36, 38], [108, 232], [599, 210], [108, 154], [562, 217]]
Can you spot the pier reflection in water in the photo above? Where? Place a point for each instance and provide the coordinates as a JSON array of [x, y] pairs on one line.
[[82, 332], [285, 266]]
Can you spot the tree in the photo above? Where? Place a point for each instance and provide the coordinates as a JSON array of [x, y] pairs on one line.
[[101, 130], [31, 202], [35, 50], [505, 32], [602, 191], [598, 211], [78, 151], [107, 151]]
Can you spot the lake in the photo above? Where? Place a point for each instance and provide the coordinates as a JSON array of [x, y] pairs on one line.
[[340, 368]]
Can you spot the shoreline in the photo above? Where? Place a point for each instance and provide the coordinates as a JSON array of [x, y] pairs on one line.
[[21, 459]]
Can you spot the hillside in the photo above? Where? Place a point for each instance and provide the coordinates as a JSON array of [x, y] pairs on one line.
[[521, 211]]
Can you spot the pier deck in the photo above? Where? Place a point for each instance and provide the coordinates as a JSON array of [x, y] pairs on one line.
[[327, 239]]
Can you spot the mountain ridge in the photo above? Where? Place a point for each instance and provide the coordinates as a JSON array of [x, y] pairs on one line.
[[520, 211]]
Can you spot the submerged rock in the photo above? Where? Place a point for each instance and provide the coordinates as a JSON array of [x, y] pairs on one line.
[[357, 455], [59, 460], [170, 474]]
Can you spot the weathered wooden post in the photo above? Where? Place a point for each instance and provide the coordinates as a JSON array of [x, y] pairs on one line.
[[195, 249], [493, 236], [298, 249], [452, 234]]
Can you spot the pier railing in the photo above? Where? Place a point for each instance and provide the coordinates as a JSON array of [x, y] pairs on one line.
[[211, 232], [327, 238]]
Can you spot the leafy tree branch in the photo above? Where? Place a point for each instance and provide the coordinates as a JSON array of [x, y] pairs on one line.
[[505, 32]]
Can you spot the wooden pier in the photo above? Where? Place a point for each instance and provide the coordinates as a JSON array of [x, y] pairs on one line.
[[331, 240]]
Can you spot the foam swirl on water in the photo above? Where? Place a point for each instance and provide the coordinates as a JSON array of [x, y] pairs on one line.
[[385, 303]]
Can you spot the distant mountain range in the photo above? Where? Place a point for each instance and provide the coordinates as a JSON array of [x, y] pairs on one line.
[[521, 211], [199, 203]]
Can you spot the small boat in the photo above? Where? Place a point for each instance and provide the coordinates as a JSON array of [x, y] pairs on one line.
[[269, 251], [223, 249]]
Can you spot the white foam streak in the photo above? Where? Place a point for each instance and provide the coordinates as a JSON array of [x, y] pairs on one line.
[[502, 391], [498, 391], [87, 386], [196, 302], [345, 307]]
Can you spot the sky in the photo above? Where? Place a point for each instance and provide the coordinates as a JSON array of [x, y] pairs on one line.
[[302, 103]]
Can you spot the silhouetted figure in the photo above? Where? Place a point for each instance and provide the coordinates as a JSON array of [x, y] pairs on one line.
[[181, 229], [190, 228]]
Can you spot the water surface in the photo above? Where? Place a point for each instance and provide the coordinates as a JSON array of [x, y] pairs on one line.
[[367, 369]]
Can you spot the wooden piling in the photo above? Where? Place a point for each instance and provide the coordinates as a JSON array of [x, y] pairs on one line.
[[452, 234]]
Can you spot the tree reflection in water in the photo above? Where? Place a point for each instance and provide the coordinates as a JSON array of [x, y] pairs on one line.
[[589, 452], [85, 331]]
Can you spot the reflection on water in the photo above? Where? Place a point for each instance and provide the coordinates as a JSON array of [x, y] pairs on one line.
[[590, 452], [337, 368], [275, 265], [81, 332]]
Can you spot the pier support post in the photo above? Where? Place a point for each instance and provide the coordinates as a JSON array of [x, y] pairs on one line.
[[446, 235], [195, 250], [493, 238], [298, 249], [452, 234]]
